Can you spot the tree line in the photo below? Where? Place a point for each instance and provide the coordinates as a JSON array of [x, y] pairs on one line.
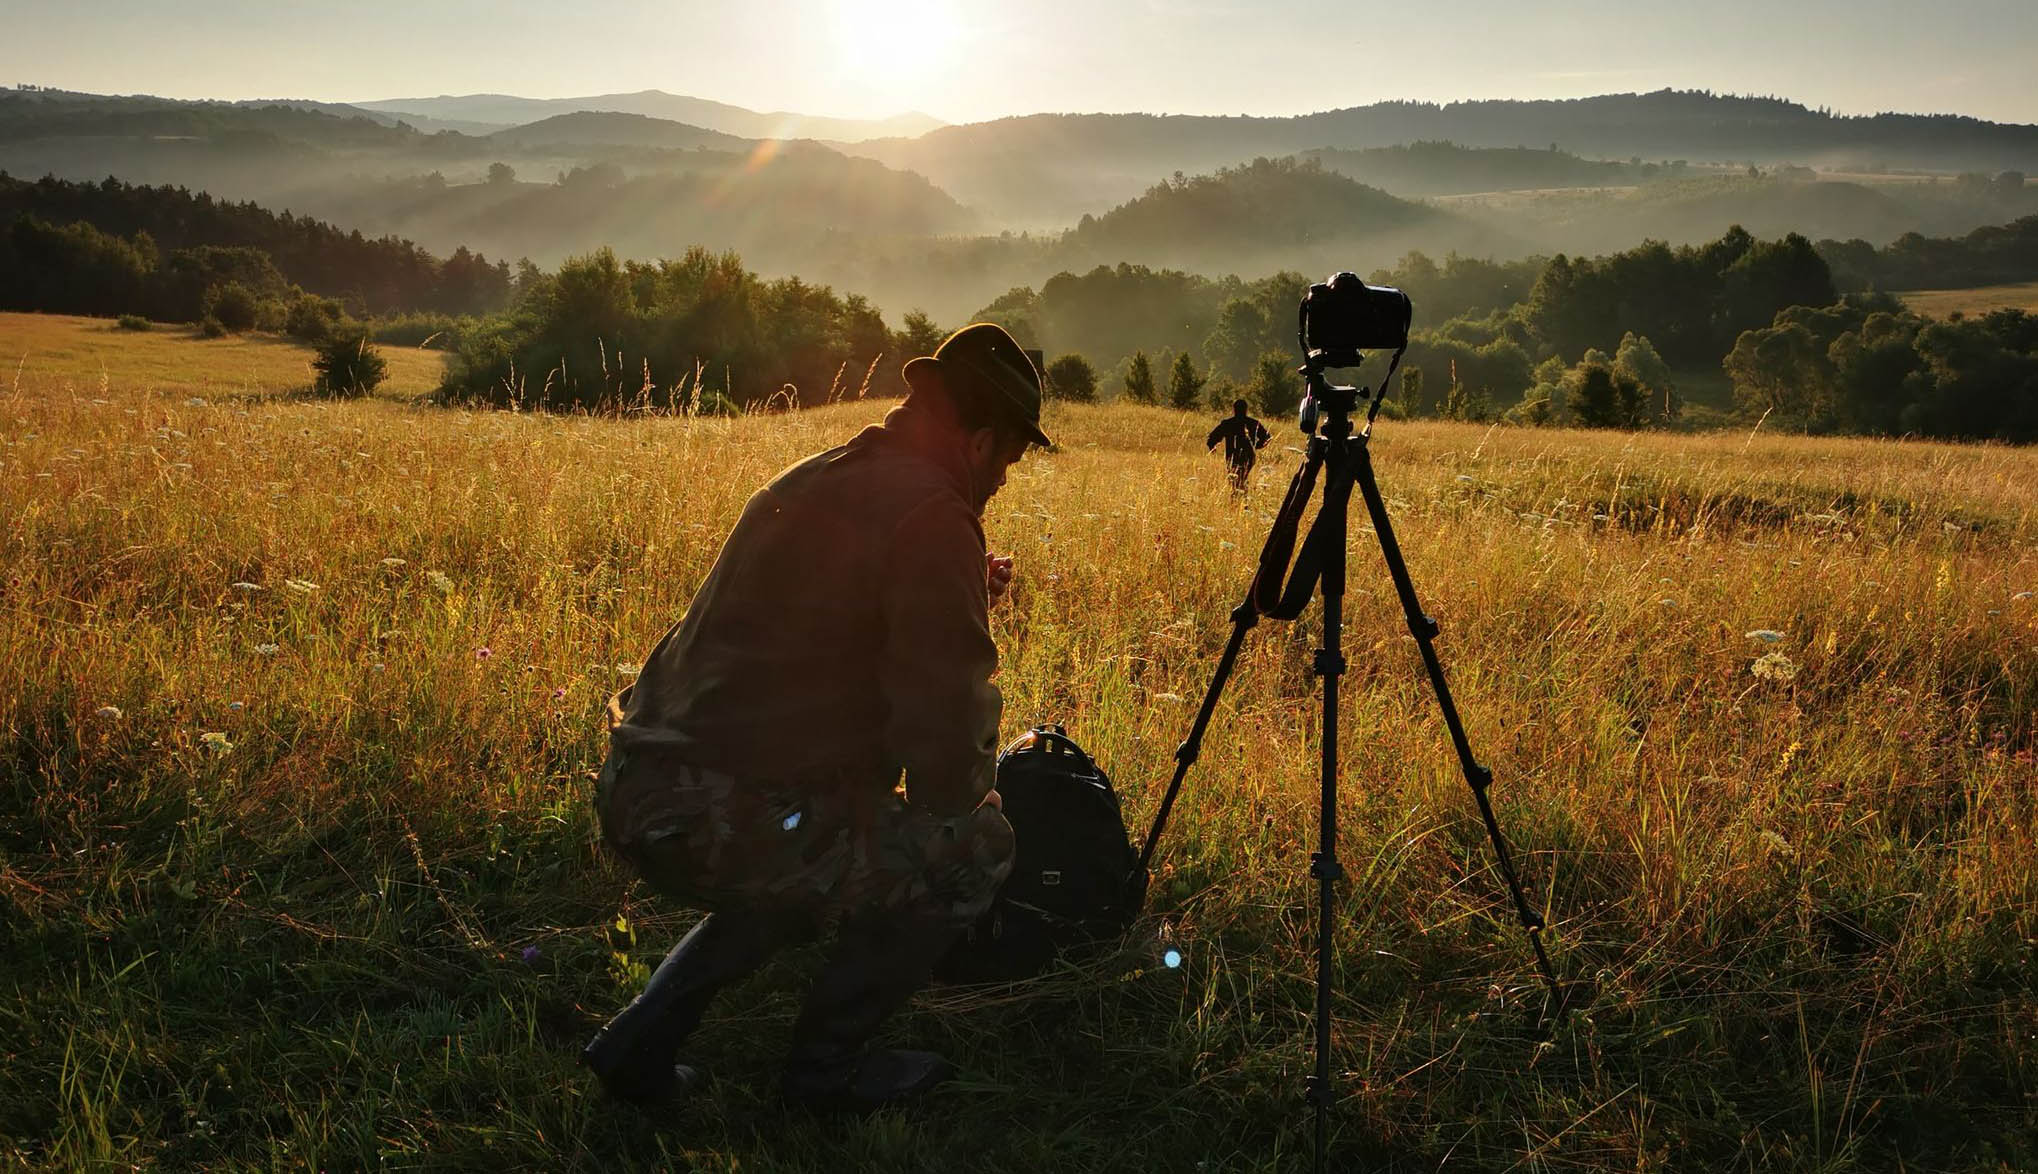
[[1867, 365], [367, 275], [696, 333], [1994, 254], [1498, 322]]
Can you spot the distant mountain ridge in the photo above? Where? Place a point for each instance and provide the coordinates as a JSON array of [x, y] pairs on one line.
[[511, 110], [1048, 168]]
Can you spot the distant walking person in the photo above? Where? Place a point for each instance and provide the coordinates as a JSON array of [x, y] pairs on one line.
[[1243, 439]]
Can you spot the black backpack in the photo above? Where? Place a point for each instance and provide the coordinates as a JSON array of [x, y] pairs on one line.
[[1074, 880]]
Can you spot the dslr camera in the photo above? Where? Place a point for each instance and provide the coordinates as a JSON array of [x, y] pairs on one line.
[[1343, 316]]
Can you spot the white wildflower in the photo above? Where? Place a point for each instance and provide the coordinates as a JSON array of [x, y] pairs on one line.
[[217, 741], [301, 586], [247, 588], [1773, 666], [628, 670], [1766, 635], [394, 563], [440, 582], [267, 649]]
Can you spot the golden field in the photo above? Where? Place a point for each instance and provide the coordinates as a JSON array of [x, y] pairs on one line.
[[299, 700], [1939, 303]]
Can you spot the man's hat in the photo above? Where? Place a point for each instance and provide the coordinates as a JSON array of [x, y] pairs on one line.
[[982, 356]]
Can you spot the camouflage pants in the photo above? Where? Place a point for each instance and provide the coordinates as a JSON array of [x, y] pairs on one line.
[[719, 843]]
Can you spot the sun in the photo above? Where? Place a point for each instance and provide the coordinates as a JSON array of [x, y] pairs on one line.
[[892, 46]]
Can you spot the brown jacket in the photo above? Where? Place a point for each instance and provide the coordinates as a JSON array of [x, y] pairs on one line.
[[842, 635]]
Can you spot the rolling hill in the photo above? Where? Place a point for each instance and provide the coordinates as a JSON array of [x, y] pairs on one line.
[[589, 128], [509, 110], [1049, 168]]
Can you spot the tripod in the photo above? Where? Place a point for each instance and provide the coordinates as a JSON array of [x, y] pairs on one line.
[[1345, 460]]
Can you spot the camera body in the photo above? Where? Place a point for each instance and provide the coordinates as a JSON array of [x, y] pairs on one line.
[[1344, 316]]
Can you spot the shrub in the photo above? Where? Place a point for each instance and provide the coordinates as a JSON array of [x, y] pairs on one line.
[[1274, 388], [133, 322], [1071, 377], [714, 403], [312, 318], [1185, 386], [1139, 384], [438, 331], [347, 364], [233, 305], [211, 327], [1221, 392]]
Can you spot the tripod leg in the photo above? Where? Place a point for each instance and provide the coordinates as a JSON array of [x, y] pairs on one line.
[[1323, 865], [1478, 777], [1243, 617]]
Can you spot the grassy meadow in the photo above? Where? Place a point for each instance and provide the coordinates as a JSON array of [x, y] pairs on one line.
[[1939, 303], [299, 702]]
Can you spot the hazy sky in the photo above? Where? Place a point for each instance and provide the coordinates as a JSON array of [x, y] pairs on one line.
[[964, 61]]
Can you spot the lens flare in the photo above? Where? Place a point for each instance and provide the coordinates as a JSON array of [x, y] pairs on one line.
[[1172, 959]]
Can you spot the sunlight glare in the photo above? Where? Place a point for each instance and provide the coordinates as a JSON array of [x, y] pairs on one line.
[[890, 46]]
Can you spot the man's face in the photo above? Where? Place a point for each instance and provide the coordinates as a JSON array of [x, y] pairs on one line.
[[992, 453]]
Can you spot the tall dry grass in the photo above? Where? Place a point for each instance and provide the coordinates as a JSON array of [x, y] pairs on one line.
[[298, 699]]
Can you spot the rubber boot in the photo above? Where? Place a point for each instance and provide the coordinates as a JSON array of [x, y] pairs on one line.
[[633, 1056], [876, 966]]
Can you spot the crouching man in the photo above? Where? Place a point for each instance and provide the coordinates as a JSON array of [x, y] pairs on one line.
[[840, 642]]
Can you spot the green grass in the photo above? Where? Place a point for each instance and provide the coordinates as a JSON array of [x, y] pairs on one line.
[[1808, 904]]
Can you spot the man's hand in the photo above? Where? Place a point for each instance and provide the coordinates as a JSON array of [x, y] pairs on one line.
[[998, 572]]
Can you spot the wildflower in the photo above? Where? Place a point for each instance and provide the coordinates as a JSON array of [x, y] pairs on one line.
[[247, 588], [109, 712], [1765, 635], [393, 563], [301, 586], [217, 741], [267, 649], [628, 670], [440, 582], [1170, 698], [559, 694], [530, 955], [483, 653], [1773, 666]]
